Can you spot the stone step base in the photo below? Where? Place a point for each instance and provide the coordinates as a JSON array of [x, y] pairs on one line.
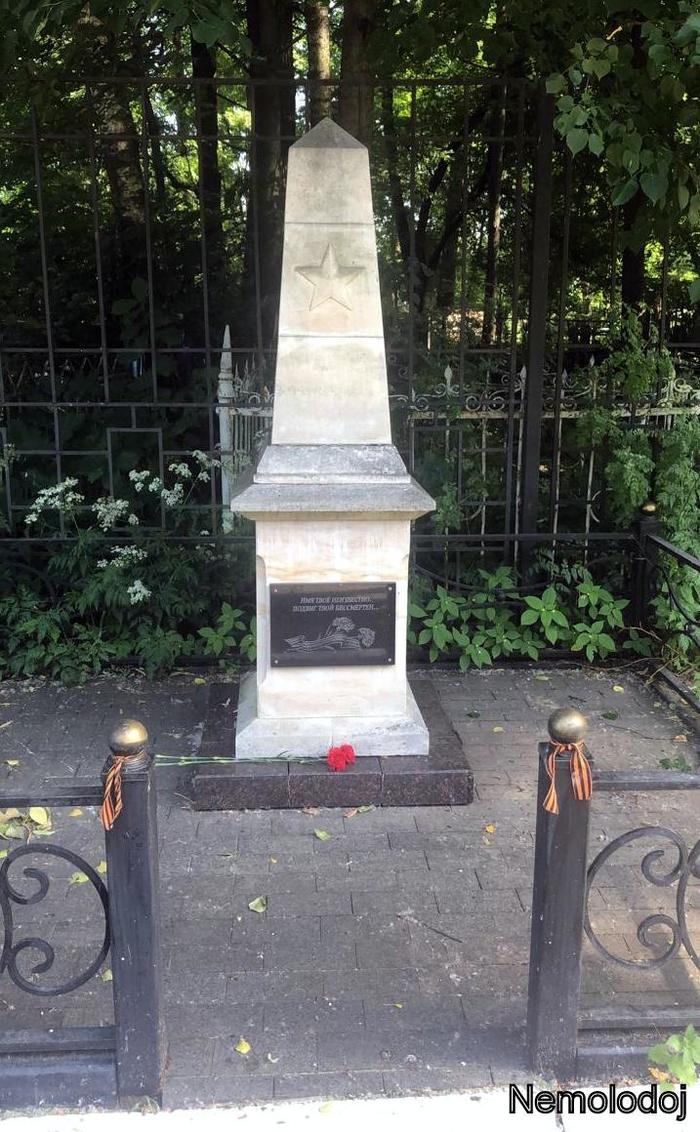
[[442, 778]]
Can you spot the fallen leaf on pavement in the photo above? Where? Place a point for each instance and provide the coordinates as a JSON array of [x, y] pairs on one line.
[[40, 816], [102, 868], [618, 688], [76, 812], [107, 976], [498, 729], [490, 828], [11, 762], [364, 809], [199, 680], [259, 904], [78, 878], [322, 835], [680, 738], [242, 1046], [311, 811], [350, 813]]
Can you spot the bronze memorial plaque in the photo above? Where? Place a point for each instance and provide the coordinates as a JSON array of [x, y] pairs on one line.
[[339, 623]]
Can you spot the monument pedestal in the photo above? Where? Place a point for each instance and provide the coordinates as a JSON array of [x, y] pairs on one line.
[[332, 550]]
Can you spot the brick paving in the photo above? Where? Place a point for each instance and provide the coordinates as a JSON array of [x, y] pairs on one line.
[[392, 957]]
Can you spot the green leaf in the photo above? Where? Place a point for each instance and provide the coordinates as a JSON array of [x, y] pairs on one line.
[[78, 878], [577, 139], [658, 1053], [626, 192], [654, 185], [416, 611], [596, 143], [259, 904], [556, 83], [322, 835], [529, 617]]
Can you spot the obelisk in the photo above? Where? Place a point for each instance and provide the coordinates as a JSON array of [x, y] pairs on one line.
[[331, 497]]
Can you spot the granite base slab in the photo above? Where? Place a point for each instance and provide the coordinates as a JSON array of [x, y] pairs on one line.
[[441, 778], [260, 738]]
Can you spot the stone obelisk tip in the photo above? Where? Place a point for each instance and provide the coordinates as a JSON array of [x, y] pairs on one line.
[[327, 134], [331, 384]]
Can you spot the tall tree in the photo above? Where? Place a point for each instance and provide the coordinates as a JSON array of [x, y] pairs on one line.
[[318, 39], [203, 71], [271, 32], [356, 73]]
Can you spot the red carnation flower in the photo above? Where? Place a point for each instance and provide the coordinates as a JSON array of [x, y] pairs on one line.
[[340, 757]]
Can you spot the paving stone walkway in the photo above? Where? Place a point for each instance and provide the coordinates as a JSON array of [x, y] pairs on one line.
[[392, 957]]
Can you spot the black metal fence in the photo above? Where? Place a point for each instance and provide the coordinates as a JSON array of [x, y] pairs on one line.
[[132, 241], [121, 1062], [566, 1041]]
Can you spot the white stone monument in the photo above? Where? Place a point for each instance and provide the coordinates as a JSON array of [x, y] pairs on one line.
[[331, 497]]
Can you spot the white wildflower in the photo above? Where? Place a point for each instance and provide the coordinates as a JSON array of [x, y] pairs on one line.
[[156, 485], [124, 555], [139, 479], [110, 511], [171, 498], [203, 476], [138, 592], [200, 457], [61, 497], [102, 563], [133, 520], [180, 470]]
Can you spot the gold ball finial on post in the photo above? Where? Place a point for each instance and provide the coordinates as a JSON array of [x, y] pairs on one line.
[[567, 725], [128, 738]]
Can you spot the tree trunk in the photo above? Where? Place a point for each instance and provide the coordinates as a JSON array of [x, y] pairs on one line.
[[494, 217], [204, 68], [270, 28], [632, 278], [318, 39], [356, 91], [118, 140]]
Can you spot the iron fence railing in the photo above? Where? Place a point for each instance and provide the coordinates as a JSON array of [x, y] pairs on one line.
[[111, 354], [68, 1065], [565, 1039]]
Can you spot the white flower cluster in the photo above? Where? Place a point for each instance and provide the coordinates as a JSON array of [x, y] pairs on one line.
[[173, 497], [206, 463], [139, 479], [123, 556], [61, 498], [110, 511], [181, 470], [138, 592]]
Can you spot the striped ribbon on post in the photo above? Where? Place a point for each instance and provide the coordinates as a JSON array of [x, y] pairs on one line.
[[579, 768], [128, 745]]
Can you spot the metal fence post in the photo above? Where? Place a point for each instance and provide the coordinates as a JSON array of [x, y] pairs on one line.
[[132, 870], [644, 560], [558, 901]]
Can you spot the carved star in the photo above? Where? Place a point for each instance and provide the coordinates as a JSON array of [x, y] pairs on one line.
[[329, 280]]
